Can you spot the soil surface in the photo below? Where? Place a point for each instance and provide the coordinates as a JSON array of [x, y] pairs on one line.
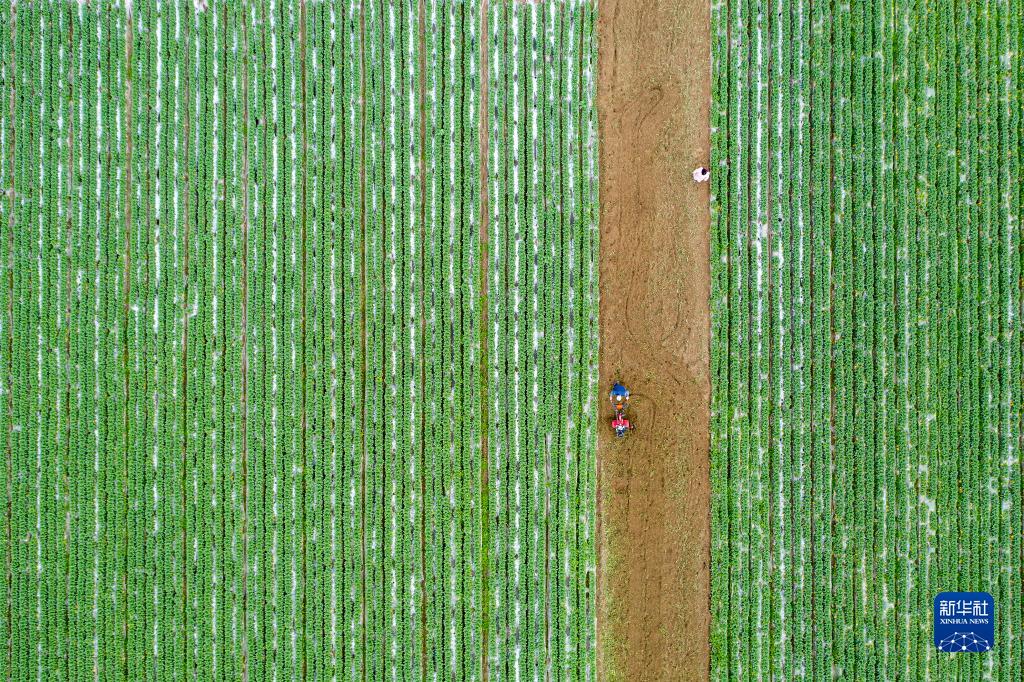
[[654, 495]]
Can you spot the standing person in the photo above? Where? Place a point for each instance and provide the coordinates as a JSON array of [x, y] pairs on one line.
[[701, 174]]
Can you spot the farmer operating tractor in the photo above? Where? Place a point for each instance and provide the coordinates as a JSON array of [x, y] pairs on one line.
[[619, 398]]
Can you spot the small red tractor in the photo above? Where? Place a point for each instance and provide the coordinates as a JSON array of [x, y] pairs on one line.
[[619, 398]]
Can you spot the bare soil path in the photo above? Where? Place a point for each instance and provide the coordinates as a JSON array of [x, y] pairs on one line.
[[653, 100]]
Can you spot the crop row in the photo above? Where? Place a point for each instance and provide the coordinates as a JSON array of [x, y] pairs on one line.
[[453, 550]]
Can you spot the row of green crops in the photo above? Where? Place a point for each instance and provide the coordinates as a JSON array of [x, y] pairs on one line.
[[866, 356], [295, 384], [453, 549]]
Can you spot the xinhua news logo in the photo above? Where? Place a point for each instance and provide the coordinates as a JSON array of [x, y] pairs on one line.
[[964, 622]]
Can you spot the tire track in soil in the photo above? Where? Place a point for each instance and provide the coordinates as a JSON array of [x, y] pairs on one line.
[[654, 94]]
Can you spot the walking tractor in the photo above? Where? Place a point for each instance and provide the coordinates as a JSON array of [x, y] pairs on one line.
[[619, 398]]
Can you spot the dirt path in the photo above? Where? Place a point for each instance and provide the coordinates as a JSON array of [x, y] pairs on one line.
[[653, 99]]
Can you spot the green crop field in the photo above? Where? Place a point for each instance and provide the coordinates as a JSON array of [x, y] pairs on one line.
[[298, 344], [866, 356]]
